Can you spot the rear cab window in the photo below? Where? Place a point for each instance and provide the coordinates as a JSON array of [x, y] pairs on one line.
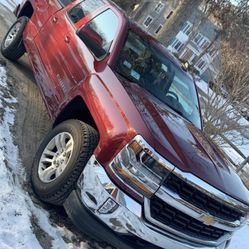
[[83, 9], [65, 2]]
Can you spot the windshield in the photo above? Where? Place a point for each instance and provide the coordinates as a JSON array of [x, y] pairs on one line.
[[144, 64]]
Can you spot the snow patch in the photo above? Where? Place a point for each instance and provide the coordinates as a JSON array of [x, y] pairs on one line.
[[15, 229], [16, 206], [10, 4], [240, 239]]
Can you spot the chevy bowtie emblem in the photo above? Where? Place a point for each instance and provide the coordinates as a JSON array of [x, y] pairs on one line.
[[207, 219]]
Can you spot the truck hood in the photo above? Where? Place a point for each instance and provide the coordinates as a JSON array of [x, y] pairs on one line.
[[186, 146]]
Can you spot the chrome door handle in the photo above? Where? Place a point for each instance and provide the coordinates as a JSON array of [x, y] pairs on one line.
[[66, 39], [55, 19]]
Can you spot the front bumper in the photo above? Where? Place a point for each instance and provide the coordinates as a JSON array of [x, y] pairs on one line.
[[99, 207]]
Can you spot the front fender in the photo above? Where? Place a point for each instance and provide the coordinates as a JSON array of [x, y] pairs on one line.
[[113, 125], [114, 113]]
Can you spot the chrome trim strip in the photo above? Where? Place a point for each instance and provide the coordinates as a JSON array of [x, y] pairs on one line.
[[194, 181], [180, 234], [95, 188], [176, 201], [212, 192], [140, 140]]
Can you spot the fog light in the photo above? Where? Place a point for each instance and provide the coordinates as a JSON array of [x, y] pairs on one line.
[[108, 207]]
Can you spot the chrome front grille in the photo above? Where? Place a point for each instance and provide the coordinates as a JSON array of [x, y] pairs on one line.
[[177, 220], [201, 200], [190, 209]]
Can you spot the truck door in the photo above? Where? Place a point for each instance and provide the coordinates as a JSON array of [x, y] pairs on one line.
[[65, 58]]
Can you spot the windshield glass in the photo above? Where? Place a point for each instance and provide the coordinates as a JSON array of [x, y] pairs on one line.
[[144, 64]]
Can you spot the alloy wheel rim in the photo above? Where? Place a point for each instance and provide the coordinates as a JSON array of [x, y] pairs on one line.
[[12, 34], [55, 157]]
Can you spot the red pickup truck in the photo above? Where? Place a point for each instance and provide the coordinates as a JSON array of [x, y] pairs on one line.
[[127, 157]]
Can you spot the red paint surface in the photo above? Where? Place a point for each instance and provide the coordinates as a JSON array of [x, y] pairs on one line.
[[64, 68]]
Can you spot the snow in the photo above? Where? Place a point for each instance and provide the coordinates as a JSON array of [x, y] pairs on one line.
[[16, 207], [203, 86], [240, 239], [10, 4]]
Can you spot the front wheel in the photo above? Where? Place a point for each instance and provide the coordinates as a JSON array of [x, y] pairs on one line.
[[12, 46], [60, 160]]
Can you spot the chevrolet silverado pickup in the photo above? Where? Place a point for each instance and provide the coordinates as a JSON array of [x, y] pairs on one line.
[[127, 155]]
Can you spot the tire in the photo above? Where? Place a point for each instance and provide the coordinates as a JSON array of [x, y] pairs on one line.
[[56, 185], [14, 49]]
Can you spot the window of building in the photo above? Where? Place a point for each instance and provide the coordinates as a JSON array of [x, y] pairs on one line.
[[159, 7], [170, 14], [158, 29], [148, 21], [201, 64], [83, 9], [213, 51], [187, 55], [99, 33], [204, 44], [198, 39], [177, 45], [201, 41], [186, 29]]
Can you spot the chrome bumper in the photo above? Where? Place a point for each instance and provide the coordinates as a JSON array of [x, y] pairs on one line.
[[123, 214]]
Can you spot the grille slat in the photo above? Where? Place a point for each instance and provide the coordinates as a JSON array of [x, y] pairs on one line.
[[179, 221], [200, 199]]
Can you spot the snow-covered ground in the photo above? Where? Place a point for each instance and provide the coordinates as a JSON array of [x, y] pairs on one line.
[[10, 4], [17, 211], [240, 239]]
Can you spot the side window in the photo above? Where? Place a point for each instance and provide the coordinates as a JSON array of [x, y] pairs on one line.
[[99, 33], [65, 2], [83, 9]]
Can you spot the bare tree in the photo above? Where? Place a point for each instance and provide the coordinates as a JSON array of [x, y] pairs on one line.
[[127, 5], [222, 116]]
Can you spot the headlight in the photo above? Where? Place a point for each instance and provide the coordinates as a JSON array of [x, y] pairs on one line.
[[140, 167]]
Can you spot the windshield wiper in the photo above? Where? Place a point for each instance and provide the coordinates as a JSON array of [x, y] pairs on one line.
[[176, 110], [131, 79], [179, 112]]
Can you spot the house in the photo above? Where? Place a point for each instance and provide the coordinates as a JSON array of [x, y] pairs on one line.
[[152, 15], [197, 42], [185, 30]]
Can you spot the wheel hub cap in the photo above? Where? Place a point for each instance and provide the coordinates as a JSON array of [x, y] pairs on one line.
[[12, 34], [55, 157]]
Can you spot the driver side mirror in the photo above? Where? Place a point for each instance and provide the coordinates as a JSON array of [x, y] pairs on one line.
[[92, 40]]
